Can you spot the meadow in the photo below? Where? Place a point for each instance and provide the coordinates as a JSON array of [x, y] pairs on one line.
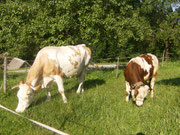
[[101, 109]]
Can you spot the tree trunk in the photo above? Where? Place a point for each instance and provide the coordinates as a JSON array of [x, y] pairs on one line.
[[166, 57]]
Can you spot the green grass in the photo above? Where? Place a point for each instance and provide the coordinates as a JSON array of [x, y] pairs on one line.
[[101, 109]]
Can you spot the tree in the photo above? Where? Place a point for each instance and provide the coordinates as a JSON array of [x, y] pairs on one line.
[[110, 28], [164, 25]]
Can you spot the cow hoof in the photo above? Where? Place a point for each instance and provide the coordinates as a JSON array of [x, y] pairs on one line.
[[82, 90], [78, 92], [126, 101], [151, 95], [48, 99], [65, 101]]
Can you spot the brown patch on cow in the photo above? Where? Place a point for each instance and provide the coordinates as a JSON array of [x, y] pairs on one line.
[[50, 67], [149, 60], [88, 50], [134, 73], [77, 52], [43, 67], [75, 63]]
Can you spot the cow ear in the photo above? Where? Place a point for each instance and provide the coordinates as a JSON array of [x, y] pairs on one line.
[[21, 82]]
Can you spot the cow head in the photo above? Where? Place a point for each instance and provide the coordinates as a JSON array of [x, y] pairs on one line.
[[140, 94], [25, 96]]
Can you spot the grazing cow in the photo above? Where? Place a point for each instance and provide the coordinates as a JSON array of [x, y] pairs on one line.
[[137, 72], [52, 64]]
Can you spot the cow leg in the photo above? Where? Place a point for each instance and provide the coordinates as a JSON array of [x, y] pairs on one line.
[[132, 94], [127, 92], [59, 82], [46, 83], [152, 82], [81, 79], [48, 94]]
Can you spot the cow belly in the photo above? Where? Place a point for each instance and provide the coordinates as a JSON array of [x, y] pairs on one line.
[[70, 62], [70, 72], [70, 69]]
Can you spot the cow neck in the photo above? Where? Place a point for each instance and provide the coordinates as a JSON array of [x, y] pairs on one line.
[[138, 84], [34, 75]]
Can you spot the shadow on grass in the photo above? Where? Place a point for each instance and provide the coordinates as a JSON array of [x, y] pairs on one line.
[[91, 83], [87, 85], [44, 99], [140, 134], [172, 81]]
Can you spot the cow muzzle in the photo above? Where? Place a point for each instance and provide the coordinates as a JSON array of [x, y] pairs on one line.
[[22, 106], [20, 109], [139, 103]]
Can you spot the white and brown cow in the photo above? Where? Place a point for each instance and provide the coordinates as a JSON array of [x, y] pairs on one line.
[[52, 64], [137, 72]]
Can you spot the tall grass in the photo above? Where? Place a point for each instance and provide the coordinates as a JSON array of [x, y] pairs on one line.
[[101, 109]]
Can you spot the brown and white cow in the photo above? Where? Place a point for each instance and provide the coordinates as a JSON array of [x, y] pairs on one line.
[[52, 64], [137, 72]]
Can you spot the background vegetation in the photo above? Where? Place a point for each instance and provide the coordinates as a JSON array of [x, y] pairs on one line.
[[101, 109], [110, 28]]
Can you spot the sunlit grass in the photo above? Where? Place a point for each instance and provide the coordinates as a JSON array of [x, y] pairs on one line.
[[101, 109]]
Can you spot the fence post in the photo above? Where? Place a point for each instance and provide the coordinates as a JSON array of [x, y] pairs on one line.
[[117, 67], [5, 72], [163, 58]]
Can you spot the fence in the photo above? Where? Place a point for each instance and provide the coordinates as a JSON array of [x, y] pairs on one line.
[[3, 65]]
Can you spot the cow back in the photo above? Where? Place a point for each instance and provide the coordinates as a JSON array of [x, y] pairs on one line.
[[141, 68]]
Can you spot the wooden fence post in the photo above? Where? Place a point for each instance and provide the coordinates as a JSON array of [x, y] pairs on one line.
[[117, 68], [5, 72], [163, 58]]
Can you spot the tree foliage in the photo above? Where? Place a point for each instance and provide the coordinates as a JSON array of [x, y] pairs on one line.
[[111, 28]]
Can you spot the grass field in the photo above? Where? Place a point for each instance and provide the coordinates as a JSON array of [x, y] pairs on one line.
[[101, 109]]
